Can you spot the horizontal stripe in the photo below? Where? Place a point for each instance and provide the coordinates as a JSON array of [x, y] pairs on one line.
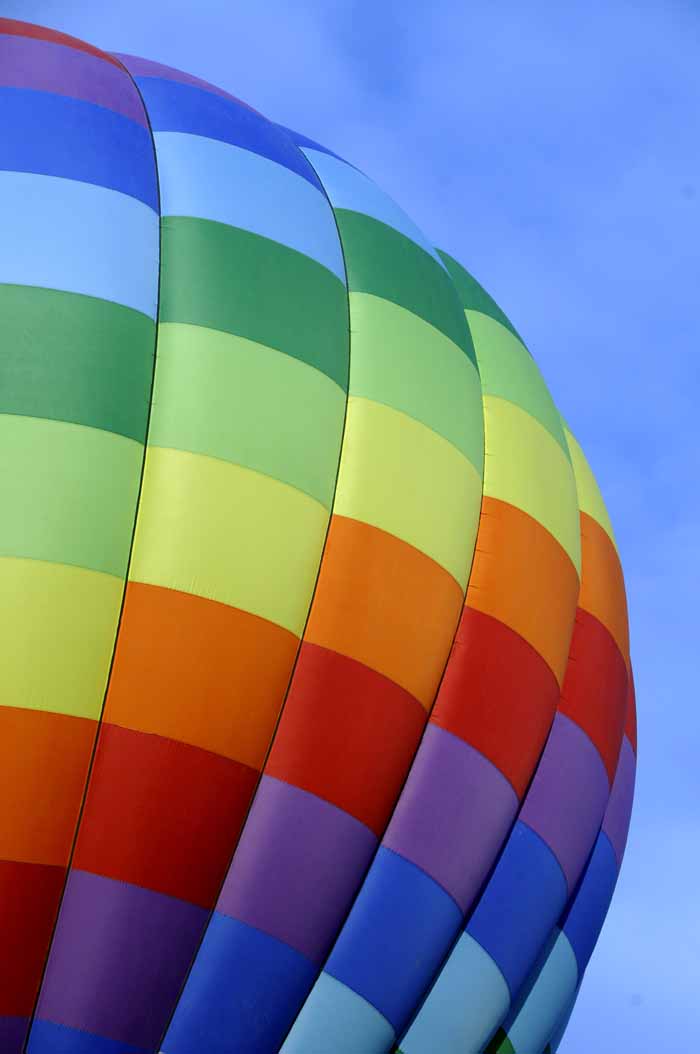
[[12, 1032], [567, 797], [402, 361], [80, 238], [50, 1038], [229, 184], [139, 944], [233, 399], [473, 296], [522, 576], [590, 499], [512, 696], [58, 625], [527, 468], [617, 815], [469, 994], [508, 370], [74, 358], [53, 135], [337, 720], [69, 493], [554, 987], [403, 478], [200, 672], [308, 144], [335, 1018], [296, 868], [381, 261], [140, 67], [395, 937], [174, 106], [585, 915], [29, 899], [279, 298], [453, 814], [44, 760], [28, 29], [228, 534], [226, 1004], [45, 65], [348, 188], [162, 815], [406, 632], [519, 907], [603, 585]]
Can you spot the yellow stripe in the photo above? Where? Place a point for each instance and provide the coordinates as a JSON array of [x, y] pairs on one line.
[[228, 533], [402, 477], [525, 466], [590, 499], [57, 626]]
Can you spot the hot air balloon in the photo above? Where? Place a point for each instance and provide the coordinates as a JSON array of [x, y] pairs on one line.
[[317, 730]]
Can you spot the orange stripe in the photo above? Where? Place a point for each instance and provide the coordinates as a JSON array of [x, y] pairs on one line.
[[199, 672], [602, 584], [44, 759], [384, 603], [522, 577]]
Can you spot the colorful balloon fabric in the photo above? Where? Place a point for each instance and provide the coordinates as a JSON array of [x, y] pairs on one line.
[[318, 731]]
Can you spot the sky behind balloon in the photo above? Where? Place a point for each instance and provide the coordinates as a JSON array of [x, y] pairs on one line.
[[553, 150]]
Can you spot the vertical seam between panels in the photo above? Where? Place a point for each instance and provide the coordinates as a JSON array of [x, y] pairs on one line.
[[308, 613], [380, 840], [98, 729]]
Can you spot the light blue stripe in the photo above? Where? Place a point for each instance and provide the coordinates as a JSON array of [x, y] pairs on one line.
[[336, 1020], [468, 1001], [79, 238], [551, 993], [348, 188], [218, 181]]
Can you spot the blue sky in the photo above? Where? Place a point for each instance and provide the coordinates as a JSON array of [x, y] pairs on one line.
[[553, 148]]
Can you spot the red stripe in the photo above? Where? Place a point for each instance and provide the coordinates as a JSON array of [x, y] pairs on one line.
[[29, 898], [12, 27], [347, 734], [499, 695], [162, 815]]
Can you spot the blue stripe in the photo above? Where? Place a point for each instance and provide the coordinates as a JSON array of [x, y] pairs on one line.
[[348, 188], [586, 914], [80, 238], [49, 1038], [520, 906], [244, 988], [303, 141], [216, 181], [58, 136], [176, 107], [395, 938]]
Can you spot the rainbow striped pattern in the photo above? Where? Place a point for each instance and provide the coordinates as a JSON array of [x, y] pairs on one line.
[[318, 728]]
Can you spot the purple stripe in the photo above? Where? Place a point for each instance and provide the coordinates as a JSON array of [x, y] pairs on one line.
[[567, 797], [617, 815], [12, 1033], [453, 814], [42, 65], [118, 959], [297, 867], [139, 67]]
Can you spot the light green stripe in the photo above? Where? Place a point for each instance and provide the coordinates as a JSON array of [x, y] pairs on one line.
[[589, 497], [234, 399], [508, 370], [58, 625], [527, 468], [402, 361], [400, 476], [69, 493], [229, 534]]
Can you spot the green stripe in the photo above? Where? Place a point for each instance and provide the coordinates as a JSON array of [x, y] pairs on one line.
[[500, 1044], [69, 493], [229, 398], [508, 370], [229, 279], [75, 358], [381, 261], [472, 295]]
